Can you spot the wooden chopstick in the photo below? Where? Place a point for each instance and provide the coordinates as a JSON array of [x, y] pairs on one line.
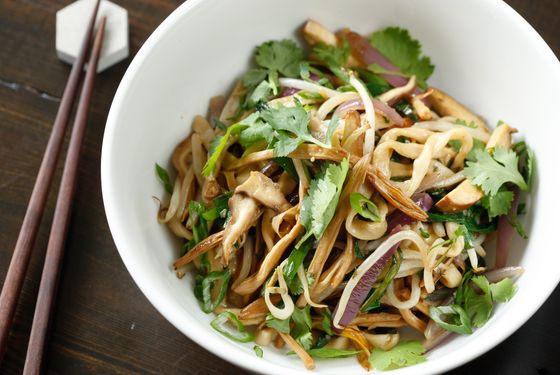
[[55, 247], [28, 232]]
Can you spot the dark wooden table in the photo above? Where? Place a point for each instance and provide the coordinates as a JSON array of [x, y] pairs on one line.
[[103, 324]]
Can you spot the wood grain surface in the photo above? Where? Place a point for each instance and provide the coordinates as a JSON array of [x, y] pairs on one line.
[[102, 322]]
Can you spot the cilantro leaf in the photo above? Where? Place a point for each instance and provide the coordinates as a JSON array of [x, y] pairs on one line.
[[292, 128], [530, 168], [452, 318], [327, 321], [253, 77], [163, 176], [516, 223], [471, 218], [499, 203], [503, 291], [273, 57], [283, 56], [476, 295], [526, 161], [260, 94], [319, 205], [291, 119], [478, 303], [301, 330], [378, 69], [477, 145], [285, 145], [258, 131], [405, 353], [295, 287], [397, 45], [331, 353], [281, 325], [490, 172], [334, 57]]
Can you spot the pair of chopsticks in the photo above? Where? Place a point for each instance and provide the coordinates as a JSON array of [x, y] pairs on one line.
[[28, 232]]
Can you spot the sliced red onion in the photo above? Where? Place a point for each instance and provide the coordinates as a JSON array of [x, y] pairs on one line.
[[361, 289], [505, 233], [432, 330], [366, 275], [434, 333], [388, 111], [350, 105], [424, 201], [499, 274], [367, 54], [438, 336], [356, 104], [287, 91], [440, 297]]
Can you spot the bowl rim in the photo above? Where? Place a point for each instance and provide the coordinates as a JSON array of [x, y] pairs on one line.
[[196, 332]]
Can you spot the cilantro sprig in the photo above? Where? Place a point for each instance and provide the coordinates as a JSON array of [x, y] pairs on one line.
[[473, 305], [404, 354], [334, 57], [320, 203], [491, 170], [298, 326], [274, 57], [282, 128], [404, 52]]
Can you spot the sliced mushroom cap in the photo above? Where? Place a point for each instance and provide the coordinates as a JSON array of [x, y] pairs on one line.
[[501, 136], [445, 105], [460, 198], [265, 191], [466, 194], [244, 212], [202, 247], [314, 32]]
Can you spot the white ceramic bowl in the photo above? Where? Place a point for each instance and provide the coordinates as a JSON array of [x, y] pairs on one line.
[[485, 54]]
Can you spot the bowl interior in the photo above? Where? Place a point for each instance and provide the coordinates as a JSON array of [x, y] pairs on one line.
[[485, 55]]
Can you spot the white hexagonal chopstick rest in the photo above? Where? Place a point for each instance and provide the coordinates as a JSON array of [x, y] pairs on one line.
[[71, 23]]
